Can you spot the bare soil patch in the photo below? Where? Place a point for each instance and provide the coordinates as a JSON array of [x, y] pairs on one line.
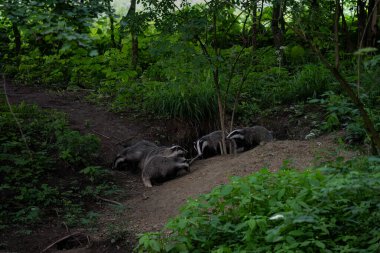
[[148, 209]]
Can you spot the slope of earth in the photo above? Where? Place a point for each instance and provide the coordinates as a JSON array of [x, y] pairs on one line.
[[155, 205], [148, 209]]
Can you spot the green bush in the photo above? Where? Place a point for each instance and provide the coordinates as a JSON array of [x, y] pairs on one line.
[[76, 149], [34, 68], [29, 167], [342, 113], [332, 209]]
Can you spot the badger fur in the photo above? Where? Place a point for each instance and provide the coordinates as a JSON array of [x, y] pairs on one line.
[[211, 144], [250, 137], [173, 151], [133, 154], [159, 167]]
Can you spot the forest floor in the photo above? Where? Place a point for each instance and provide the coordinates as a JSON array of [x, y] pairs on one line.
[[148, 209]]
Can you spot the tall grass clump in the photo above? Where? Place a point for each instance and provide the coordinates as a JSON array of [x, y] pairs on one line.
[[330, 209], [196, 103]]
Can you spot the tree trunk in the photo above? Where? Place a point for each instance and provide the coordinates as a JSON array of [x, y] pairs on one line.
[[135, 43], [349, 44], [112, 24], [336, 32], [362, 18], [314, 9], [17, 36], [254, 25], [372, 24], [282, 19], [217, 86], [260, 17], [275, 24], [135, 50]]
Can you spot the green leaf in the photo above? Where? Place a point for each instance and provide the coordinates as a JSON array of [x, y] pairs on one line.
[[304, 219], [281, 193], [227, 189], [320, 244], [93, 53], [154, 245], [366, 50]]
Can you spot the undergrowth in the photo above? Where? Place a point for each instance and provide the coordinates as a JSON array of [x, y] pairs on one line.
[[51, 173], [334, 208]]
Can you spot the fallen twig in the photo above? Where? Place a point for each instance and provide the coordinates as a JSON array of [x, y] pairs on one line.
[[105, 136], [193, 160], [15, 118], [60, 240], [109, 201]]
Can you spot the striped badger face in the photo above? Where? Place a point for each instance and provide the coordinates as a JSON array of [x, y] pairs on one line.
[[237, 134], [162, 168], [178, 151], [200, 146], [209, 145]]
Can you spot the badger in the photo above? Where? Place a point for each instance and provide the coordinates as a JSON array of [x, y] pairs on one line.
[[159, 167], [250, 137], [173, 151], [133, 154], [137, 154], [211, 144]]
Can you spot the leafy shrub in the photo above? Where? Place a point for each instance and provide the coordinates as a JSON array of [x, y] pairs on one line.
[[35, 68], [342, 113], [30, 188], [311, 81], [76, 149], [370, 79], [297, 53], [333, 209]]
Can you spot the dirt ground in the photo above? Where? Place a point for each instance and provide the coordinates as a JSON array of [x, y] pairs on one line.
[[148, 209]]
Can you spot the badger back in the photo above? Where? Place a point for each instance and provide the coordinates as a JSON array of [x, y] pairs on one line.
[[174, 151], [133, 153], [259, 134]]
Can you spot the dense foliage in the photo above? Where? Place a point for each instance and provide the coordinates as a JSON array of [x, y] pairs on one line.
[[331, 209], [46, 169], [251, 55]]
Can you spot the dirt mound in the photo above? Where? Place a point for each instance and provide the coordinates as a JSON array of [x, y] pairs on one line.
[[155, 205]]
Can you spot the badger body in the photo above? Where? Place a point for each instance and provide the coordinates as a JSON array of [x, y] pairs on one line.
[[250, 137], [132, 155], [160, 168], [211, 144], [136, 155], [170, 152]]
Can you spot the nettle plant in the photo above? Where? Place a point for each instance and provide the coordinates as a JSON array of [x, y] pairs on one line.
[[331, 209]]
